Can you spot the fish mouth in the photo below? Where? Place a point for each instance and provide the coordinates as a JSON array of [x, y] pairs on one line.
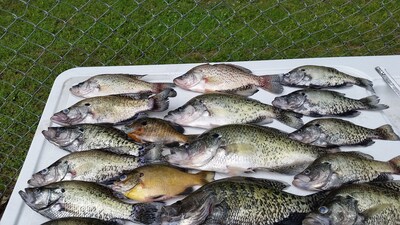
[[182, 83], [29, 199], [49, 134], [63, 119], [303, 182], [279, 102], [315, 219], [36, 180]]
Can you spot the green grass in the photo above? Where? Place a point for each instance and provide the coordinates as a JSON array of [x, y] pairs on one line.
[[41, 39]]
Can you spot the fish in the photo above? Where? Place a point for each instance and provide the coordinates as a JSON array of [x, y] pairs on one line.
[[357, 204], [81, 221], [241, 200], [238, 148], [227, 78], [158, 182], [86, 199], [93, 165], [216, 109], [149, 129], [113, 84], [334, 170], [338, 132], [112, 109], [83, 137], [317, 103], [322, 77]]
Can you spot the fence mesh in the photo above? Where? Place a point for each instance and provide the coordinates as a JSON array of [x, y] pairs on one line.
[[41, 39]]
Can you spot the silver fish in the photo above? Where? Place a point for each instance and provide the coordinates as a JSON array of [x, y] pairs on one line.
[[358, 204], [93, 165], [227, 78], [216, 109], [113, 109], [86, 199], [82, 137], [243, 148], [337, 132], [333, 170], [112, 84], [321, 77], [239, 200], [312, 102]]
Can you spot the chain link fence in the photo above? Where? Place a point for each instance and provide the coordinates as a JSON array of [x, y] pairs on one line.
[[41, 39]]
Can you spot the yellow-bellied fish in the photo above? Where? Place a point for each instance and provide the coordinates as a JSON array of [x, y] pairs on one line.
[[159, 182]]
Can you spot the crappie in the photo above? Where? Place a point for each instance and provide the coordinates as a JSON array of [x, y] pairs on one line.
[[82, 137], [81, 221], [333, 170], [216, 109], [358, 204], [227, 78], [321, 77], [243, 148], [86, 199], [94, 165], [114, 109], [312, 102], [112, 84], [156, 130], [237, 201], [159, 182], [337, 132]]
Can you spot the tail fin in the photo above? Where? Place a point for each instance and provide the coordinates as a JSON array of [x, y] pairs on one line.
[[158, 87], [206, 177], [386, 132], [147, 213], [161, 102], [367, 84], [395, 162], [291, 119], [371, 102], [271, 83]]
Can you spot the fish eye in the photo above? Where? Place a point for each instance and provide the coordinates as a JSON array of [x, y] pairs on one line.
[[65, 111], [307, 171], [323, 210], [123, 177], [81, 130], [37, 191], [62, 190], [215, 135], [317, 125], [87, 104], [302, 69], [141, 174], [44, 171], [302, 93], [144, 123]]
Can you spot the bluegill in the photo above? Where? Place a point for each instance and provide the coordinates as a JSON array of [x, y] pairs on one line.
[[358, 204], [86, 199], [112, 84], [245, 148], [157, 182], [227, 78], [334, 170], [93, 165], [156, 130], [240, 200], [112, 109], [338, 132], [312, 102], [216, 109], [82, 137], [321, 77]]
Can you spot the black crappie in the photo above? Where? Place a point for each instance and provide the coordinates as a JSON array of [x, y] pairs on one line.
[[333, 170], [86, 199], [216, 109], [112, 84], [227, 78], [312, 102], [240, 200], [321, 77], [112, 109], [82, 137], [358, 204], [337, 132], [243, 148]]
